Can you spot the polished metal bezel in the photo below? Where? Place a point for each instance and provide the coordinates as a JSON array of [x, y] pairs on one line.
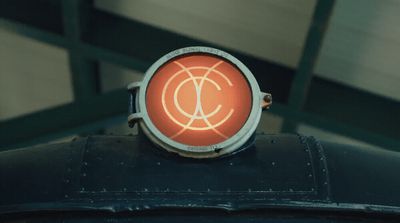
[[228, 146]]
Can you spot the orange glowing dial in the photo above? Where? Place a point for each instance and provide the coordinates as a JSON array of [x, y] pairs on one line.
[[198, 99]]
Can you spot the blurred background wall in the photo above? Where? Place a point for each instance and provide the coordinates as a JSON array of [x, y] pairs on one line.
[[360, 51]]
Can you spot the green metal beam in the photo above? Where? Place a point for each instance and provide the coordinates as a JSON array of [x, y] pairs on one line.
[[84, 71], [87, 50], [34, 33], [311, 48], [73, 118]]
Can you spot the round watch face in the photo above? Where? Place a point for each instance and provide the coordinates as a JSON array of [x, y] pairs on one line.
[[199, 102], [198, 99]]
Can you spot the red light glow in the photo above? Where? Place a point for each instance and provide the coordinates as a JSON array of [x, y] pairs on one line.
[[198, 99]]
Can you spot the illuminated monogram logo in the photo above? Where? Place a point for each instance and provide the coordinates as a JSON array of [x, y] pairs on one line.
[[198, 83]]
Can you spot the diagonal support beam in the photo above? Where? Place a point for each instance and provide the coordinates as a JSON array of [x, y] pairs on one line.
[[84, 71], [302, 79]]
